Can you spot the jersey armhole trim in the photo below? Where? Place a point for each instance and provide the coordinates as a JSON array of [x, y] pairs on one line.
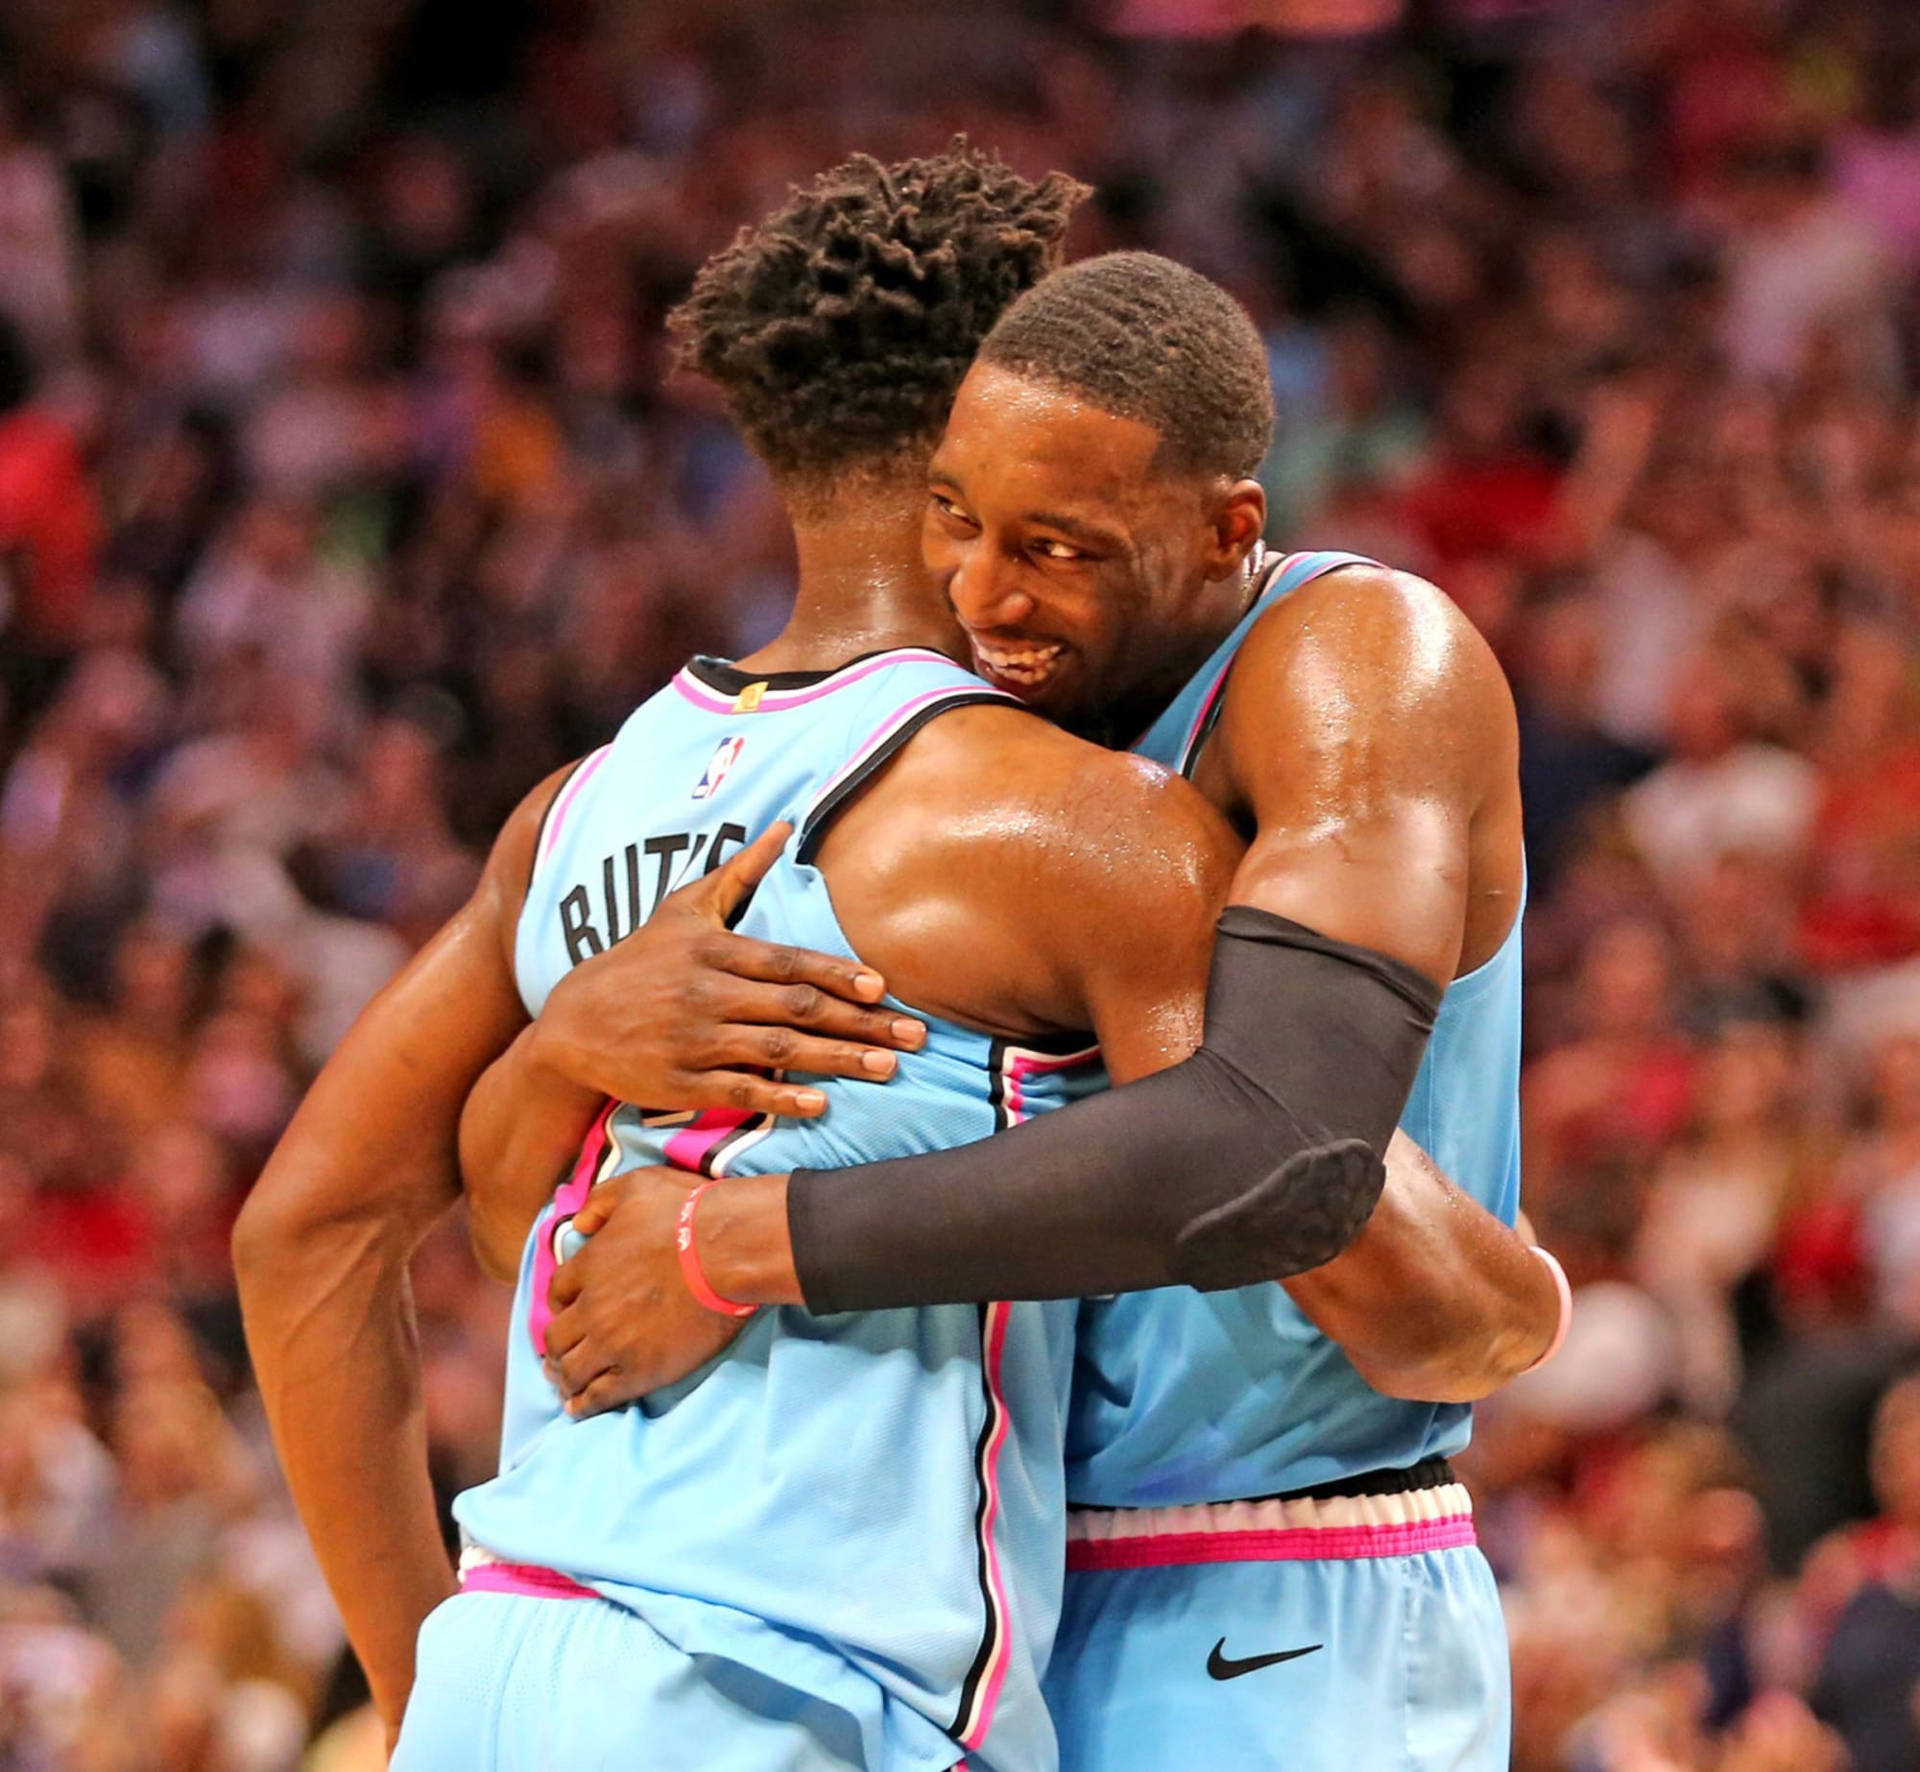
[[543, 840], [575, 779], [879, 748], [1285, 574]]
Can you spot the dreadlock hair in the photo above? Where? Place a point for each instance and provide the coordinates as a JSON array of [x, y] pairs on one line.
[[1148, 339], [839, 329]]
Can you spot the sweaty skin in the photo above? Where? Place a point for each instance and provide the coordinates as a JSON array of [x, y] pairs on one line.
[[1004, 875], [1366, 747], [369, 1163]]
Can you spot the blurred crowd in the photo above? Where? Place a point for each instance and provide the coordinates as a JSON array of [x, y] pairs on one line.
[[344, 493]]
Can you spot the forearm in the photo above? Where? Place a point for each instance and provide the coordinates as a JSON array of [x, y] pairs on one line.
[[1436, 1300], [521, 1126], [368, 1166], [1252, 1160], [329, 1324]]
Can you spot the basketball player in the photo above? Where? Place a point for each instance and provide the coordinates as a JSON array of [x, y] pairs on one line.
[[840, 1548], [1271, 1562]]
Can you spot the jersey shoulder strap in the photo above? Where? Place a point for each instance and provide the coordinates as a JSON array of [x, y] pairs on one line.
[[914, 699], [1180, 734]]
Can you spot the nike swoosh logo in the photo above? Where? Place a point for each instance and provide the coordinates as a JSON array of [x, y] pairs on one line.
[[1222, 1669]]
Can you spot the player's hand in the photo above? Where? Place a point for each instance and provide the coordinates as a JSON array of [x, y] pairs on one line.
[[623, 1320], [685, 1014]]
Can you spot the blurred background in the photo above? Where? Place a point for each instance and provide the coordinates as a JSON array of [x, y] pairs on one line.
[[343, 494]]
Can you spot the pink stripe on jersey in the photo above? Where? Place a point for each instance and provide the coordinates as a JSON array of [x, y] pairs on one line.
[[581, 777], [1020, 1064], [701, 696], [567, 1200], [688, 1148], [523, 1578], [1300, 1544], [973, 1730]]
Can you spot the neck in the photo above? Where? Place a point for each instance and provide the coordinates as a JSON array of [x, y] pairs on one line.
[[1217, 611], [863, 586]]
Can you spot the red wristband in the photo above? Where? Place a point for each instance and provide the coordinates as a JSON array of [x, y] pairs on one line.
[[690, 1268]]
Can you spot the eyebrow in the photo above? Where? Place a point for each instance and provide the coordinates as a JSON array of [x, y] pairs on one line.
[[1073, 526]]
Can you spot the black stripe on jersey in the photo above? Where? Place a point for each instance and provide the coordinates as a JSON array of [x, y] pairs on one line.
[[826, 810], [756, 1126], [997, 1083], [1270, 570], [1079, 1046], [1198, 742], [994, 1625], [727, 678]]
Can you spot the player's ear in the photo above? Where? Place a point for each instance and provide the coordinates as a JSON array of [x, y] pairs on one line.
[[1237, 522]]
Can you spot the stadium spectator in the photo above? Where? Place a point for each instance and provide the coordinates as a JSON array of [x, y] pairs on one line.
[[344, 493]]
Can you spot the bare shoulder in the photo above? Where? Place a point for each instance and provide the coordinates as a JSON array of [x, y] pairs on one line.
[[1377, 623], [1378, 666], [1008, 785], [995, 851]]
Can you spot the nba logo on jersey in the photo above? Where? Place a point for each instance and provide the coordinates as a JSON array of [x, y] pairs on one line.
[[723, 760]]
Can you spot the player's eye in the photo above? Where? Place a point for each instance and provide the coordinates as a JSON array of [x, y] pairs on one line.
[[951, 511], [1051, 549]]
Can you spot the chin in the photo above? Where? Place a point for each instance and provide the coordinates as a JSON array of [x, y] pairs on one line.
[[1055, 700]]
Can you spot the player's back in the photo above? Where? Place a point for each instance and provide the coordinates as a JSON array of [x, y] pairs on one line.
[[1184, 1397], [880, 1492]]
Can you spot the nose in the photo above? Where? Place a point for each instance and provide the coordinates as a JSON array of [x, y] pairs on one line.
[[984, 594]]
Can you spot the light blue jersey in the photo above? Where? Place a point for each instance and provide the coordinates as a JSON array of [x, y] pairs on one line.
[[865, 1510], [1183, 1397], [1215, 1615]]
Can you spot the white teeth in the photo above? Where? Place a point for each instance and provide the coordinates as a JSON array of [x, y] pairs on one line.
[[1026, 664]]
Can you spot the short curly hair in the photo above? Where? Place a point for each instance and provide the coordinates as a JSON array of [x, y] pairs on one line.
[[1149, 339], [839, 329]]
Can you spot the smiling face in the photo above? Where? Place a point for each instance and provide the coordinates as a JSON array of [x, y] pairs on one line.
[[1091, 577]]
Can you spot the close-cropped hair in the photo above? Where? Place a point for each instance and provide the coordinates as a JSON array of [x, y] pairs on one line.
[[839, 328], [1143, 337]]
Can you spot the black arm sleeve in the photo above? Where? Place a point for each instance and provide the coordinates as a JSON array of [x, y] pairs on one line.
[[1259, 1157]]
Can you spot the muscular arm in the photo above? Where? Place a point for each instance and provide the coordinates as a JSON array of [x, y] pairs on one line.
[[1372, 744], [1011, 878], [1003, 876], [1368, 737], [321, 1251]]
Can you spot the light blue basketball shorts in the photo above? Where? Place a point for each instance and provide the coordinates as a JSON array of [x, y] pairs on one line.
[[1357, 1635], [519, 1682]]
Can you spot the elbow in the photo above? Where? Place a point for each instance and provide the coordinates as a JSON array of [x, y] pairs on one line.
[[1303, 1215], [288, 1232], [262, 1240], [1431, 1383], [495, 1248], [1446, 1367], [275, 1241], [1415, 1380]]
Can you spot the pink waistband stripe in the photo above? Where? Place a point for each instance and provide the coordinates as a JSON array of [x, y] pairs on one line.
[[1296, 1544], [522, 1578], [1302, 1529]]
